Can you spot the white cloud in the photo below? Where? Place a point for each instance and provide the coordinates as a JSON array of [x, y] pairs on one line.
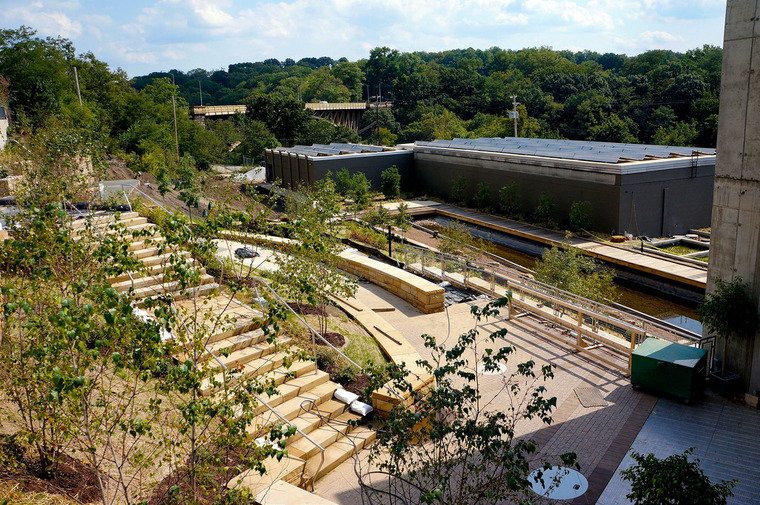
[[572, 12], [657, 36]]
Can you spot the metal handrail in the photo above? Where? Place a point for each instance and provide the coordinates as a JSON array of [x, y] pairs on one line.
[[570, 298]]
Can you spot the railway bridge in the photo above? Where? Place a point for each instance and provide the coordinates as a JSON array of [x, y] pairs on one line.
[[347, 114]]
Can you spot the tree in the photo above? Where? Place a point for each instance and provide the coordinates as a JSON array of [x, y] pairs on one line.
[[459, 190], [509, 200], [284, 116], [309, 271], [343, 182], [544, 212], [359, 192], [454, 443], [567, 268], [390, 182], [581, 215], [482, 197], [673, 481], [730, 312]]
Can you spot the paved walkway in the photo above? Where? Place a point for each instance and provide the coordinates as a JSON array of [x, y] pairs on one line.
[[726, 439], [599, 435]]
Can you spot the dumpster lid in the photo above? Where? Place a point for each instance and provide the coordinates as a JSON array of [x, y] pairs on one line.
[[662, 350]]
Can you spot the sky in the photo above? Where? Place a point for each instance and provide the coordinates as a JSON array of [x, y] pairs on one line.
[[143, 36]]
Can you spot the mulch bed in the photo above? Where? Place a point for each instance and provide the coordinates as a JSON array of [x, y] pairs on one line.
[[335, 338], [73, 479]]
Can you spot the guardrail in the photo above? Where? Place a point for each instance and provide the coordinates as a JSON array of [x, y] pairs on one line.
[[588, 326]]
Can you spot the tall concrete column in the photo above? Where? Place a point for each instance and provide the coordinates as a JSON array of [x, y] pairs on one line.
[[735, 241]]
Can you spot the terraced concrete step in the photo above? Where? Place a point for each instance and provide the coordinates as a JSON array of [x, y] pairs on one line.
[[308, 421], [169, 287], [256, 367], [236, 342], [235, 360], [314, 386], [339, 451], [144, 281], [165, 257], [325, 435], [103, 219], [152, 270], [127, 227], [146, 242], [289, 469]]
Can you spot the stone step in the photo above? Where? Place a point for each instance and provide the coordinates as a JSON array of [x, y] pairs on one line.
[[325, 435], [146, 242], [151, 270], [103, 219], [236, 342], [155, 258], [314, 386], [289, 405], [289, 469], [339, 451], [130, 227], [237, 359], [308, 421], [144, 281], [254, 368], [168, 287]]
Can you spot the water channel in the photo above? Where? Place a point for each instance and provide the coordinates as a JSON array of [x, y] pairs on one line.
[[526, 254]]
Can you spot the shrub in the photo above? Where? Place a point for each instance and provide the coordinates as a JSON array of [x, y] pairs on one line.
[[459, 190], [509, 201], [581, 215], [390, 183], [482, 198], [673, 480], [544, 211]]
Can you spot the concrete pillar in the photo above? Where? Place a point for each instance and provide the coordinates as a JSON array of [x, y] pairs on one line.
[[735, 241]]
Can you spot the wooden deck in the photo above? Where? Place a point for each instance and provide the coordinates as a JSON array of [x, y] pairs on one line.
[[684, 272]]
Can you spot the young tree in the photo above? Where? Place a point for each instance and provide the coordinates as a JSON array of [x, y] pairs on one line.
[[390, 183], [359, 192], [509, 200], [544, 212], [482, 197], [459, 190], [308, 272], [454, 443], [567, 268], [581, 215], [730, 312], [673, 481]]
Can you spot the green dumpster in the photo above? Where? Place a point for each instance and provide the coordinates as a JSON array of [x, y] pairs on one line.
[[672, 369]]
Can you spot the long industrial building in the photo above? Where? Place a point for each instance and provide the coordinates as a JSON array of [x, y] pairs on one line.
[[635, 188]]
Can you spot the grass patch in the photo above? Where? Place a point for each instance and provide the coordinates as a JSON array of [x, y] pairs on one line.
[[680, 250]]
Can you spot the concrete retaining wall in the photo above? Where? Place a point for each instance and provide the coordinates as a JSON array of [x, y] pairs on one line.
[[422, 294]]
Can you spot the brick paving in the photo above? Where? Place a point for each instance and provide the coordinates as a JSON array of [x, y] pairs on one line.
[[600, 436]]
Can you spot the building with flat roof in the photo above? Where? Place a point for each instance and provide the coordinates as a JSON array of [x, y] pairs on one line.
[[635, 188]]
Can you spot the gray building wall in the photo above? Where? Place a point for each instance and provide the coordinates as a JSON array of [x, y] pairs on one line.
[[292, 168], [685, 194]]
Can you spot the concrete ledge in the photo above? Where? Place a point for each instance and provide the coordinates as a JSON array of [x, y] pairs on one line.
[[421, 293]]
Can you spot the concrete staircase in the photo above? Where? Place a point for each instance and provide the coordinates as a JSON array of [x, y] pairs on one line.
[[235, 340]]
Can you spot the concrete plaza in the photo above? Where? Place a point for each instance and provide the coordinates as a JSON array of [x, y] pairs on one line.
[[727, 437]]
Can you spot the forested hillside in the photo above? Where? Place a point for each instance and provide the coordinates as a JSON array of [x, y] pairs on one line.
[[658, 97]]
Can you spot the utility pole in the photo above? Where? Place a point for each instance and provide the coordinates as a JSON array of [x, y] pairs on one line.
[[176, 138], [513, 114], [377, 114], [76, 79]]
